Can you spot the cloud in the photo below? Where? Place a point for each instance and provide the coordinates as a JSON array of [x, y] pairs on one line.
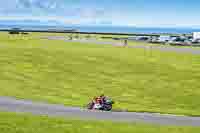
[[24, 3], [53, 10], [34, 4]]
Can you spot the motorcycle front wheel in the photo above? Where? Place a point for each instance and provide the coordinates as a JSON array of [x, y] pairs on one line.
[[108, 107]]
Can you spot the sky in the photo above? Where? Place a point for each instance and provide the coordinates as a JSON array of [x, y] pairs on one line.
[[139, 13]]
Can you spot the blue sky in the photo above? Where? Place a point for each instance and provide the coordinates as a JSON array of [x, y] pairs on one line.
[[141, 13]]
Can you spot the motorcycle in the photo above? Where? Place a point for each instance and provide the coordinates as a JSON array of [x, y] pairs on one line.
[[106, 106]]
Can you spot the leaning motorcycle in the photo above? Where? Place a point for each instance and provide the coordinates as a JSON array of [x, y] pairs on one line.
[[106, 106]]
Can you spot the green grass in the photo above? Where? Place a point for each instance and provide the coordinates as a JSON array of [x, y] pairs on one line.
[[23, 123], [72, 73]]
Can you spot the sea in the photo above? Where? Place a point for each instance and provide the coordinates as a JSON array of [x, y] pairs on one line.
[[107, 29]]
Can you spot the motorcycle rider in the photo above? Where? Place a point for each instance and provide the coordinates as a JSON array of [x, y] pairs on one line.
[[100, 103], [103, 98], [100, 99]]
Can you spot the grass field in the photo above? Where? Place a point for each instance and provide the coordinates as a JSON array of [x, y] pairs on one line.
[[72, 73], [23, 123]]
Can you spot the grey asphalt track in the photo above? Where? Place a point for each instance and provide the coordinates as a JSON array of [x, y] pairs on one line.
[[180, 49], [52, 110], [94, 41]]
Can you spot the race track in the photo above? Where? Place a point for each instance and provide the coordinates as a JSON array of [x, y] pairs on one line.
[[52, 110], [24, 106], [163, 48]]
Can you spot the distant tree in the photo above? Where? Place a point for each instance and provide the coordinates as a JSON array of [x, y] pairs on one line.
[[24, 33], [13, 32]]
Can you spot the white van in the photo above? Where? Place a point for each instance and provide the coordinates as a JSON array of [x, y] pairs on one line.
[[164, 38]]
